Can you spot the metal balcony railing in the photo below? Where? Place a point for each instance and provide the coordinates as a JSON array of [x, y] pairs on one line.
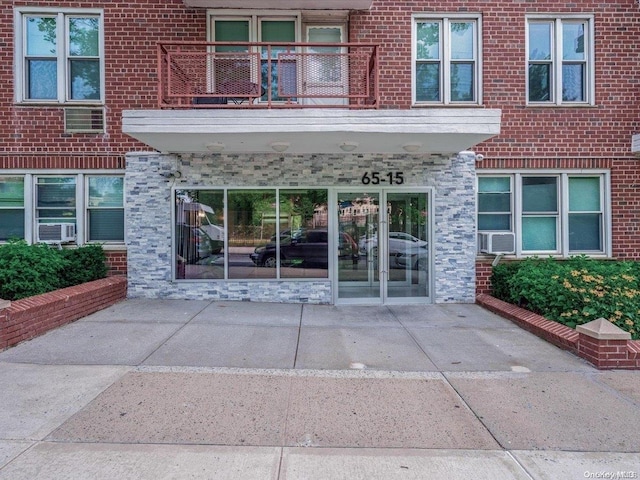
[[267, 75]]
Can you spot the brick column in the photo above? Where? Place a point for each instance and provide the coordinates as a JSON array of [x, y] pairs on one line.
[[605, 345], [4, 335]]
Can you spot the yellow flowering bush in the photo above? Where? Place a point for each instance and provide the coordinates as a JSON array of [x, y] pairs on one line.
[[573, 291]]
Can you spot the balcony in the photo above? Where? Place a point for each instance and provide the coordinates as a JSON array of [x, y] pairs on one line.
[[267, 75], [302, 98]]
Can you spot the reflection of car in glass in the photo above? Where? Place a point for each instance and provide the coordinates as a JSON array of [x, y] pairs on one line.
[[304, 248], [416, 258], [398, 242]]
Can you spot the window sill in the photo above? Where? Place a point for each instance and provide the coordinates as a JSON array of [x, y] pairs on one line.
[[55, 103], [560, 105], [447, 105]]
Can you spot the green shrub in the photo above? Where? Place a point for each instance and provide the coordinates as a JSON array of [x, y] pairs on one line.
[[500, 274], [83, 264], [27, 270], [574, 291]]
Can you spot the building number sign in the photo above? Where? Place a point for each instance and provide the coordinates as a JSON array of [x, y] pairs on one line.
[[376, 178]]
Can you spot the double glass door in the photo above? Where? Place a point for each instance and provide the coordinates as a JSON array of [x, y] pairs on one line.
[[383, 249]]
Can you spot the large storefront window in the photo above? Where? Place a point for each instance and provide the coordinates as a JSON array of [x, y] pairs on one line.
[[304, 246], [199, 236], [252, 222], [251, 234]]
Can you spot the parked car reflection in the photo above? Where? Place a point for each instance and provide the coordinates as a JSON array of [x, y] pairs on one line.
[[398, 242], [415, 258], [304, 248]]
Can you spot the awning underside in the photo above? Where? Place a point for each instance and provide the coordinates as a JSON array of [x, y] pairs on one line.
[[283, 4], [312, 131]]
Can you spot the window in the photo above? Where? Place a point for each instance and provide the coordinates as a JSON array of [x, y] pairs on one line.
[[56, 199], [446, 60], [59, 56], [560, 60], [556, 213], [233, 64], [495, 204], [105, 209], [94, 204], [540, 214], [251, 233], [12, 219]]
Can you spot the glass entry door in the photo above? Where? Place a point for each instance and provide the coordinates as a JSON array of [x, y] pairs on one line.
[[358, 246], [389, 231]]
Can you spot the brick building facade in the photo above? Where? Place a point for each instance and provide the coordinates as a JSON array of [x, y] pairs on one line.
[[513, 121]]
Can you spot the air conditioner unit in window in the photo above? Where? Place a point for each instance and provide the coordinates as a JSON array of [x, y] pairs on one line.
[[56, 232], [497, 242], [83, 120]]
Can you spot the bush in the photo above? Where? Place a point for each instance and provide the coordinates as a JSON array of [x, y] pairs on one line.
[[83, 265], [27, 270], [573, 291]]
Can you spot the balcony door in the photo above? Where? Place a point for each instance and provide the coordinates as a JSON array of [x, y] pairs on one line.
[[326, 68], [274, 76], [390, 229]]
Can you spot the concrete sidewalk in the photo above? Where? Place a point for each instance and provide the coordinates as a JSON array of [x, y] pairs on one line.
[[155, 389]]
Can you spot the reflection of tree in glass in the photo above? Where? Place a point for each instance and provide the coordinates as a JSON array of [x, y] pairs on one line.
[[46, 25], [83, 50], [303, 204]]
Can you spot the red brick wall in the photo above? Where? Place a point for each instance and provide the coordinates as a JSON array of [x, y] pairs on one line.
[[116, 263], [133, 28], [483, 276], [33, 316], [532, 137]]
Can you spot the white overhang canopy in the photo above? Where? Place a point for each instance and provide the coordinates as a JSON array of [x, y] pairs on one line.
[[309, 131], [283, 4]]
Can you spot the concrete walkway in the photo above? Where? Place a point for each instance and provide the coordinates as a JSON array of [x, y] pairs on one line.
[[173, 389]]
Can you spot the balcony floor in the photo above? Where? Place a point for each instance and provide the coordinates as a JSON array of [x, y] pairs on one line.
[[312, 131]]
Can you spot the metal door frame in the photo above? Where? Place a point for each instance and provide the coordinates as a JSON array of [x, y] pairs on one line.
[[383, 257]]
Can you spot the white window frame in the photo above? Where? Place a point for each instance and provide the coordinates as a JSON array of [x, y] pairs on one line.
[[81, 210], [254, 17], [63, 74], [511, 202], [563, 209], [445, 20], [79, 188], [24, 202], [556, 61], [86, 208]]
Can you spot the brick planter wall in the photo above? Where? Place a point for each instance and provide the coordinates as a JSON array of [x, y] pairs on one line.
[[33, 316], [605, 353]]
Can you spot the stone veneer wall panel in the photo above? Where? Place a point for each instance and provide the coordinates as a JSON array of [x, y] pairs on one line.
[[148, 216]]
